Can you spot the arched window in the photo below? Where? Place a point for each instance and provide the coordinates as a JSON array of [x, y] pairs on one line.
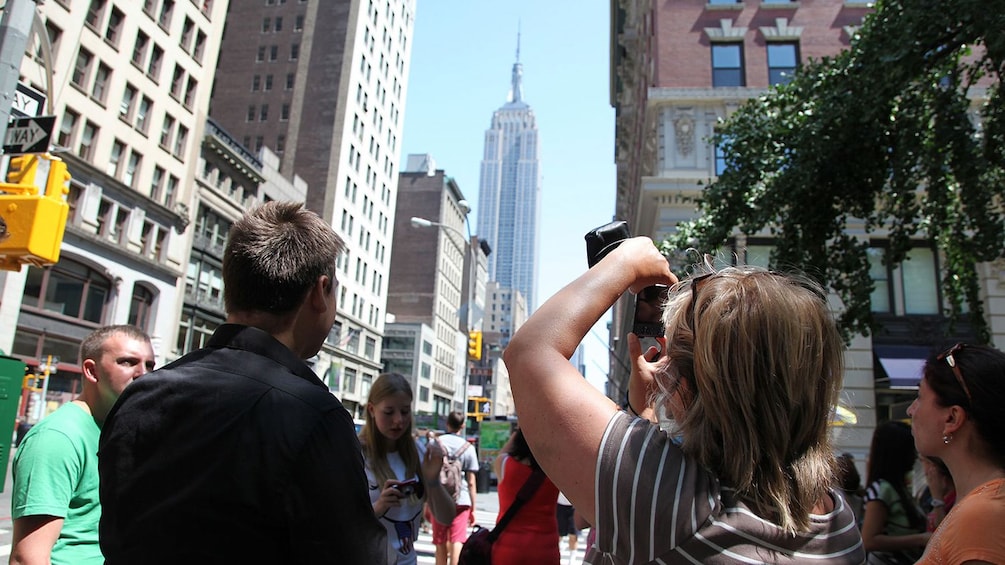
[[69, 289], [141, 307]]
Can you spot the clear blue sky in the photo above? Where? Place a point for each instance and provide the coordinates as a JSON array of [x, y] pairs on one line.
[[462, 56]]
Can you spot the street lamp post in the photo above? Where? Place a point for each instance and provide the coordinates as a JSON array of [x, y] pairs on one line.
[[469, 291]]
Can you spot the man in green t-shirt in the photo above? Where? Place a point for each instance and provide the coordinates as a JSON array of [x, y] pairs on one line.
[[55, 504]]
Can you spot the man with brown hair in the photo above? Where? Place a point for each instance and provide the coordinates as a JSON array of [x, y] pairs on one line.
[[55, 497], [237, 452]]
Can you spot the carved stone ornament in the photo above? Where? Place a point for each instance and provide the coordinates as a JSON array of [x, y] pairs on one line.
[[684, 132]]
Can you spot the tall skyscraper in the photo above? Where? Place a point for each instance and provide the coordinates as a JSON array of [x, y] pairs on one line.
[[323, 84], [509, 195]]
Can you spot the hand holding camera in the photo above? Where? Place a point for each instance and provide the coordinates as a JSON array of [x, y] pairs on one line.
[[648, 316]]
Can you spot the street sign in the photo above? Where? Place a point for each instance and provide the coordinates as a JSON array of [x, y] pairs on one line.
[[29, 135], [27, 102]]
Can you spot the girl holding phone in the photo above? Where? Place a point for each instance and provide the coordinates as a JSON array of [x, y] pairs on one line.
[[402, 473]]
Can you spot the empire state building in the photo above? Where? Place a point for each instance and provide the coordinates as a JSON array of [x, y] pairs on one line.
[[509, 197]]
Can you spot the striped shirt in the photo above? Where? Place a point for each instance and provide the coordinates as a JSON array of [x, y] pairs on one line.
[[654, 505]]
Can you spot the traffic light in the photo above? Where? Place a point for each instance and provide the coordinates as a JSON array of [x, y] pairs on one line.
[[58, 183], [23, 169], [34, 222], [475, 344]]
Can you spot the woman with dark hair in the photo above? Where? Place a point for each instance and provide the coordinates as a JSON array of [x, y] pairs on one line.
[[893, 529], [531, 536], [959, 419], [402, 474]]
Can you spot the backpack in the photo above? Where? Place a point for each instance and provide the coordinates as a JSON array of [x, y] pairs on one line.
[[452, 473]]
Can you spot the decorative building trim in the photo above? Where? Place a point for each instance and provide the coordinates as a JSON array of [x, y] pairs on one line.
[[683, 127], [725, 31], [781, 31]]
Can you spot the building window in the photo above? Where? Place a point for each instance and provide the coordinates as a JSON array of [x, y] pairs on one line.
[[100, 83], [94, 13], [167, 8], [200, 46], [131, 167], [157, 183], [783, 58], [87, 139], [82, 68], [186, 34], [727, 64], [274, 53], [70, 289], [294, 51], [142, 114], [290, 77], [910, 288], [153, 69], [140, 307], [140, 49], [180, 141], [65, 136], [115, 158], [114, 27], [166, 128], [128, 99], [190, 89], [177, 79]]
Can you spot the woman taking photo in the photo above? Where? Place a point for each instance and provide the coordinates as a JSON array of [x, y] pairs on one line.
[[750, 372], [958, 419], [402, 474], [893, 529]]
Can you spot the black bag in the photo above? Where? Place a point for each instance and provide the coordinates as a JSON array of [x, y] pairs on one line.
[[477, 549]]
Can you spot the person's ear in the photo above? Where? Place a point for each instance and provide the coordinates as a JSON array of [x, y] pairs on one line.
[[89, 369], [319, 293], [955, 417]]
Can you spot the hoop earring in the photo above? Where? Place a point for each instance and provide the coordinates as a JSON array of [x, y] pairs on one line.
[[946, 439]]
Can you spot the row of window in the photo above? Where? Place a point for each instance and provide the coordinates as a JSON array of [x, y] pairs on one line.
[[76, 291], [257, 83], [271, 52], [261, 113], [728, 63], [275, 25]]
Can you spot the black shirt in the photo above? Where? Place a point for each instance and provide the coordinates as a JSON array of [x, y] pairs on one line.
[[235, 453]]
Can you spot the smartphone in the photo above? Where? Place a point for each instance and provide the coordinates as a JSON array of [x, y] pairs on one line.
[[648, 320]]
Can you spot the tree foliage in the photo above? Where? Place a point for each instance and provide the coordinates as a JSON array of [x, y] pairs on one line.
[[881, 136]]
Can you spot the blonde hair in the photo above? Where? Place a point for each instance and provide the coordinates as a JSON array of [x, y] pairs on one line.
[[763, 363], [374, 448]]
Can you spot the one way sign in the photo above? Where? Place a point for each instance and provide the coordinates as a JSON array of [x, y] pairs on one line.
[[28, 135]]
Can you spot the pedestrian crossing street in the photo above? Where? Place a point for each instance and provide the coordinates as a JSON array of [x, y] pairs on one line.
[[426, 551]]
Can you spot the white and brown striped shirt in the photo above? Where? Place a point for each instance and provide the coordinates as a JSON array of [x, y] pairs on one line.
[[654, 505]]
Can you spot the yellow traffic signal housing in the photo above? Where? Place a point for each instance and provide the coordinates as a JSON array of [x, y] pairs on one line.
[[21, 173], [32, 225], [475, 344]]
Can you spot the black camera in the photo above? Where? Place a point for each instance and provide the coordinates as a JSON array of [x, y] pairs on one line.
[[648, 317]]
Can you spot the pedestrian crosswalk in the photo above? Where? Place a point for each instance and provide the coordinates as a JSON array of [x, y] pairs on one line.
[[426, 551]]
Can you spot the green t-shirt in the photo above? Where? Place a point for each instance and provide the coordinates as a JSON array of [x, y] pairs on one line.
[[56, 474]]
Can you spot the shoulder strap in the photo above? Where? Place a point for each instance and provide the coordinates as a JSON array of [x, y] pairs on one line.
[[526, 492], [461, 449]]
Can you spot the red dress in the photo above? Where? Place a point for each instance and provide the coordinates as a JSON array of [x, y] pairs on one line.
[[532, 535]]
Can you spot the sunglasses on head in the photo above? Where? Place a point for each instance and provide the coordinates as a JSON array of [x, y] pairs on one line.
[[949, 356]]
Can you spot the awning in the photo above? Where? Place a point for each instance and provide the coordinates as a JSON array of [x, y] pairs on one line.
[[902, 364]]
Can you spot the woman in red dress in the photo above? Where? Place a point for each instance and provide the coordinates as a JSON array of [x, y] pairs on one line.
[[532, 534]]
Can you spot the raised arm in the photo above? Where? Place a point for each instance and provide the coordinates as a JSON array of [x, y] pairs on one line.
[[562, 415]]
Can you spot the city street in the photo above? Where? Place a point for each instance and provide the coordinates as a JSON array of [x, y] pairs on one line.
[[485, 516]]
